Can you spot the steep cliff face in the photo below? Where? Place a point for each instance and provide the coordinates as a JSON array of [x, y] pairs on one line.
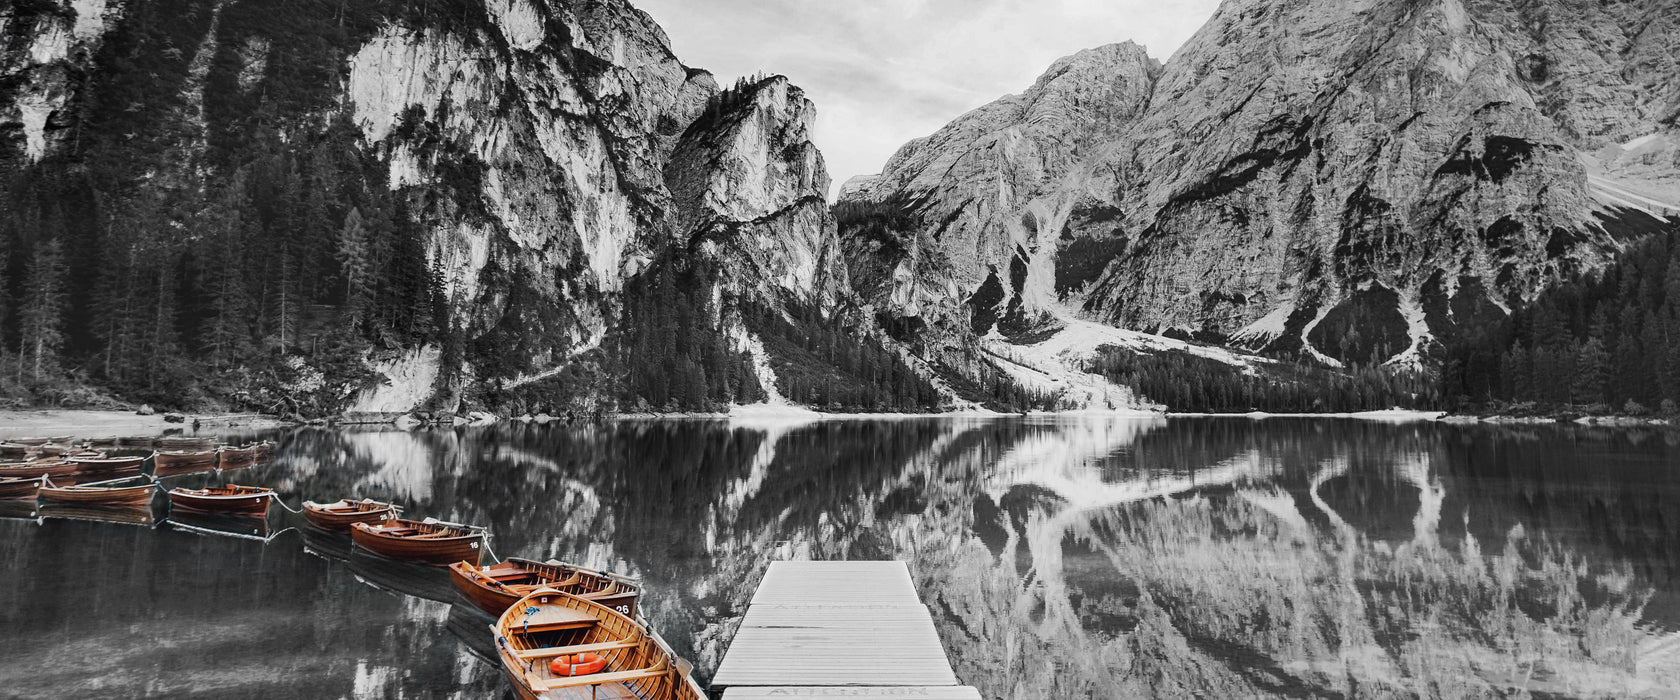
[[1304, 168], [750, 191], [43, 46], [543, 154]]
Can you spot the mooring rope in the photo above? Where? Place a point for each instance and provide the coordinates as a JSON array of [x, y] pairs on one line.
[[487, 550], [296, 511]]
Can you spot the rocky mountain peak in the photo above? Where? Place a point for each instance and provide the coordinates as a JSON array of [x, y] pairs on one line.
[[1297, 169]]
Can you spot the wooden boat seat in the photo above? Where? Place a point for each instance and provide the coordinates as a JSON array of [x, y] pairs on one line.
[[551, 652], [609, 590], [433, 536], [544, 684]]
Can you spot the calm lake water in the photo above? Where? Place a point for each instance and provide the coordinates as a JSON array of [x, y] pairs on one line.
[[1062, 558]]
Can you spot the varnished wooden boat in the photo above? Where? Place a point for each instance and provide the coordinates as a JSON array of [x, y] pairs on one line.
[[14, 450], [37, 468], [192, 444], [548, 624], [107, 494], [102, 467], [249, 500], [21, 486], [438, 544], [265, 450], [340, 515], [38, 441], [236, 457], [184, 462], [493, 588]]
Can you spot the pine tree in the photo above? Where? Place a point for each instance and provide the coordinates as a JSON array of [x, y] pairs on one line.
[[41, 314], [1591, 372], [355, 260]]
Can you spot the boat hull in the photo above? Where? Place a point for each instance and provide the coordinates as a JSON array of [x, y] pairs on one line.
[[128, 496], [495, 599], [19, 488], [184, 462], [36, 470], [341, 522], [245, 504], [236, 457], [437, 552]]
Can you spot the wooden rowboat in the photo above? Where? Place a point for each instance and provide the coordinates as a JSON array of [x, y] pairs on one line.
[[38, 441], [265, 450], [101, 466], [339, 516], [21, 486], [37, 468], [98, 494], [250, 500], [438, 544], [185, 443], [182, 462], [236, 457], [493, 588], [547, 625], [14, 450]]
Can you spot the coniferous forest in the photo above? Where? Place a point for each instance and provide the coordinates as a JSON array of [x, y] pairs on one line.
[[1609, 343]]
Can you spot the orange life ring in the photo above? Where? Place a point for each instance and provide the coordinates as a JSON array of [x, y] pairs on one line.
[[577, 664]]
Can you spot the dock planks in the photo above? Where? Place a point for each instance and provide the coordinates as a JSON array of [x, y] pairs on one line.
[[837, 629]]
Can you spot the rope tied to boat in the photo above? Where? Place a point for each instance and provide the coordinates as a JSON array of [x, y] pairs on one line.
[[294, 511]]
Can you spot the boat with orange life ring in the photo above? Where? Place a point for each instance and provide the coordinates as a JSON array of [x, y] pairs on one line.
[[582, 664], [548, 625]]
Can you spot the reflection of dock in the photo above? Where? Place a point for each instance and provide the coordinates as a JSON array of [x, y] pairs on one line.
[[837, 629]]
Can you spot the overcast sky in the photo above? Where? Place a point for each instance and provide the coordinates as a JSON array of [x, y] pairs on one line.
[[883, 72]]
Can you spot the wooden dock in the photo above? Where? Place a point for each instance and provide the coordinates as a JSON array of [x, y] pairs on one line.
[[853, 629]]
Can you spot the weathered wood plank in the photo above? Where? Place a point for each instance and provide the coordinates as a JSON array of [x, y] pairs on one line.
[[838, 629]]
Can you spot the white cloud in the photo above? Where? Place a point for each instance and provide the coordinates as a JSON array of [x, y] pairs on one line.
[[883, 72]]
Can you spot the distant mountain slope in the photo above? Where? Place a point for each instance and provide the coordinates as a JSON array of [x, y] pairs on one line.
[[1343, 180], [393, 205]]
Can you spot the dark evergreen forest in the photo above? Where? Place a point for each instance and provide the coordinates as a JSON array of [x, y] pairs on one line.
[[1607, 343]]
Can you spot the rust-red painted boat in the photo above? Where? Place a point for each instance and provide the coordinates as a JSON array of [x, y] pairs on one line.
[[435, 543], [250, 500]]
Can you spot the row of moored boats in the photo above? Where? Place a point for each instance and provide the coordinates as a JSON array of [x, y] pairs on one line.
[[562, 631]]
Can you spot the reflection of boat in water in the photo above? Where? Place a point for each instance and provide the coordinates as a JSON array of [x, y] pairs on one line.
[[119, 514], [493, 588], [467, 623], [242, 526], [418, 580], [545, 636], [17, 509]]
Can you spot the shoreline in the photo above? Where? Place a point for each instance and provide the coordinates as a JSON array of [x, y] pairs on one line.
[[114, 423], [82, 423]]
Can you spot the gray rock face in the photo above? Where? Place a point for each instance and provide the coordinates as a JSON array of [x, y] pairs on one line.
[[750, 192], [1298, 168], [553, 150]]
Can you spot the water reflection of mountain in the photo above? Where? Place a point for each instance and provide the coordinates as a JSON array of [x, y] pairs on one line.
[[1064, 557]]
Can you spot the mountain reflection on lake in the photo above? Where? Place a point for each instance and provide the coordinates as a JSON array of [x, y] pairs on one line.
[[1061, 557]]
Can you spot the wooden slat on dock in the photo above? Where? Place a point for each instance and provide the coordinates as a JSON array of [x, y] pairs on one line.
[[837, 629]]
